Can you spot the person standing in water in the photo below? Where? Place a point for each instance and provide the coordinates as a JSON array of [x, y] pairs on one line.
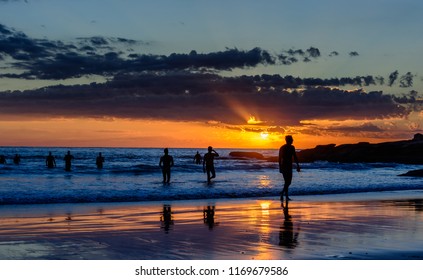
[[17, 159], [166, 162], [208, 163], [68, 161], [50, 161], [197, 158], [286, 154], [99, 161]]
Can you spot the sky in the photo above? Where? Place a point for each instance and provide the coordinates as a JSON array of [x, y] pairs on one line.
[[231, 74]]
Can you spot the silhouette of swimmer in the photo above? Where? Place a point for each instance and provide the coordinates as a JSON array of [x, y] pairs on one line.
[[99, 161], [166, 218], [286, 154], [17, 159], [208, 216], [197, 158], [166, 162], [3, 159], [208, 163], [287, 237], [68, 161], [50, 161]]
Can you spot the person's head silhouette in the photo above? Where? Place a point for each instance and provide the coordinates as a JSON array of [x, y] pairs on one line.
[[288, 139]]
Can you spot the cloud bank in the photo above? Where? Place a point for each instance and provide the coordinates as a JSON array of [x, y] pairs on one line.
[[186, 96], [32, 58], [186, 87]]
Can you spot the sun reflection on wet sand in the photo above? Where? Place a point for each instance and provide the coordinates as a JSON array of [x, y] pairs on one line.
[[221, 229]]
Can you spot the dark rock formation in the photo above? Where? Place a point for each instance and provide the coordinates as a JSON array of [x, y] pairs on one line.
[[407, 151], [418, 137], [246, 155], [414, 173]]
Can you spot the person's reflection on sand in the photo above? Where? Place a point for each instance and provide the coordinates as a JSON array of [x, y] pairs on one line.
[[208, 216], [287, 236], [166, 218]]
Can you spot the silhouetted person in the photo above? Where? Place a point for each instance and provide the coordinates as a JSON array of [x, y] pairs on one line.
[[208, 163], [17, 159], [287, 236], [286, 154], [2, 159], [197, 158], [166, 162], [68, 161], [50, 161], [166, 217], [99, 161]]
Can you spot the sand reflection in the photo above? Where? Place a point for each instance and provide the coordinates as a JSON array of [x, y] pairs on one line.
[[219, 229]]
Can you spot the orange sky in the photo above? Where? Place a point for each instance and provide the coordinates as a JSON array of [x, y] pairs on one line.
[[152, 133]]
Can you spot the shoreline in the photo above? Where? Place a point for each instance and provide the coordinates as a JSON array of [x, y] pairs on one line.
[[382, 225]]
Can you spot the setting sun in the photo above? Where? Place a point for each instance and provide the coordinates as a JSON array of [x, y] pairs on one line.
[[264, 135]]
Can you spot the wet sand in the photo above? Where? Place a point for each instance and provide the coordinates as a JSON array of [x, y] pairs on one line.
[[375, 226]]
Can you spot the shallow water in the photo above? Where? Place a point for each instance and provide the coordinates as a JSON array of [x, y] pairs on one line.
[[134, 175]]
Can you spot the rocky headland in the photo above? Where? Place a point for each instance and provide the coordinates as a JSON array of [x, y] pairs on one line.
[[246, 155], [406, 151], [414, 173]]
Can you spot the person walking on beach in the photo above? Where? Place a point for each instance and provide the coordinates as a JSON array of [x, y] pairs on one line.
[[99, 161], [197, 158], [68, 161], [286, 154], [208, 163], [166, 162], [50, 161]]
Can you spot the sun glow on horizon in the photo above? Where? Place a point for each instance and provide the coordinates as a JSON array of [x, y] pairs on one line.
[[264, 135], [147, 133], [61, 132]]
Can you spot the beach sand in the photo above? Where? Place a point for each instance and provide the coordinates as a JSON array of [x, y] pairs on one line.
[[378, 226]]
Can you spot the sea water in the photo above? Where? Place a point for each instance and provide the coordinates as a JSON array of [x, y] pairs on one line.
[[133, 174]]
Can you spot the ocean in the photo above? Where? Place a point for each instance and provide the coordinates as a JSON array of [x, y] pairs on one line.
[[133, 174]]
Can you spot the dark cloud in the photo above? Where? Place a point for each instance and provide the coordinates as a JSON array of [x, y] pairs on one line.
[[109, 57], [379, 80], [393, 77], [202, 97], [42, 59], [406, 80], [313, 52], [367, 127], [18, 46], [183, 87], [4, 30], [364, 130], [295, 55]]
